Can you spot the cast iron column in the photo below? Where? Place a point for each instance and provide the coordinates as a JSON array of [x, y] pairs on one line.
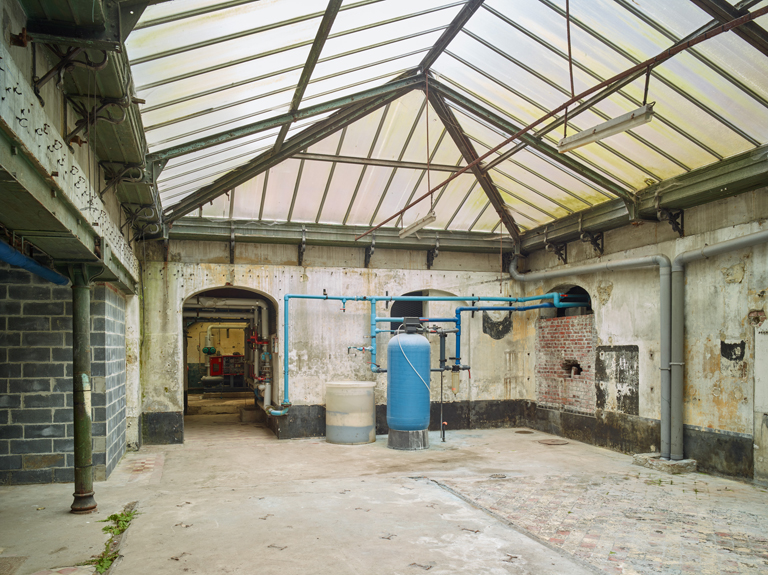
[[81, 389]]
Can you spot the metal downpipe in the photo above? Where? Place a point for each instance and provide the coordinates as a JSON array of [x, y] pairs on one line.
[[665, 336], [81, 371], [678, 324]]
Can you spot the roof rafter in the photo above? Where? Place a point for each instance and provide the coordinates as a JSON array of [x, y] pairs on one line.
[[264, 161], [467, 150], [450, 33], [309, 66], [750, 32], [509, 128], [279, 120]]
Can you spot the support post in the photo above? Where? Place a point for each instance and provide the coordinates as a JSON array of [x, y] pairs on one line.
[[81, 276]]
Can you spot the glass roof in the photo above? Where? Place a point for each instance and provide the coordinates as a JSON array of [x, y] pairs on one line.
[[206, 67]]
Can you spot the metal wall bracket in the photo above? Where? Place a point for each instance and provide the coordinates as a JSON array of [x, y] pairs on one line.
[[302, 245], [674, 217], [80, 271], [116, 173], [560, 250], [369, 251], [596, 239], [66, 63]]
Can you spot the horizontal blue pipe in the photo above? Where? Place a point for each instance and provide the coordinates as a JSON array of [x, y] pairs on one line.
[[16, 258], [555, 297]]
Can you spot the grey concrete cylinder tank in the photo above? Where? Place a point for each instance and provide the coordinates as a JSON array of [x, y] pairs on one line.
[[350, 412]]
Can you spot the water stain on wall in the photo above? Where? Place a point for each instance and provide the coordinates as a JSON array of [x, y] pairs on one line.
[[617, 379]]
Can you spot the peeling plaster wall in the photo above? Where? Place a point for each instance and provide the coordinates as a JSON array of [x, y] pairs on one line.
[[320, 331]]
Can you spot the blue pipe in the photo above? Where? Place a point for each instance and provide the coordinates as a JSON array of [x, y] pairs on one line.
[[555, 297], [16, 258]]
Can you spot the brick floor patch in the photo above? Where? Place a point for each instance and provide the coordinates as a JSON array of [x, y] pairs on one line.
[[635, 523]]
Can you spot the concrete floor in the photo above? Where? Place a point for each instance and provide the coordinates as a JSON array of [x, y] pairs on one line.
[[233, 499]]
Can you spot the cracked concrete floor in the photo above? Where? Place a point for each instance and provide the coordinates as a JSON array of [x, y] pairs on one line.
[[233, 499]]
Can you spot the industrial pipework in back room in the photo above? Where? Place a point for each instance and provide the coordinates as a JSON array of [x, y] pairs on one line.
[[550, 300]]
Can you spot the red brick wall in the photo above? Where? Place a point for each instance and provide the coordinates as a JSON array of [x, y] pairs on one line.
[[558, 340]]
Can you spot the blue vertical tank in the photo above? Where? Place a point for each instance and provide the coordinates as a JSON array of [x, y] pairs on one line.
[[408, 382]]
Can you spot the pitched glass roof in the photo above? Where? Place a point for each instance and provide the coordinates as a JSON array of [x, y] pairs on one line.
[[206, 67]]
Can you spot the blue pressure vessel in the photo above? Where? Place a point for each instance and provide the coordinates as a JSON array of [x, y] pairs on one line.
[[408, 382]]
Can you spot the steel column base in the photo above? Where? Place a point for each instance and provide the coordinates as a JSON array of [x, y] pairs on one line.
[[83, 503], [408, 440]]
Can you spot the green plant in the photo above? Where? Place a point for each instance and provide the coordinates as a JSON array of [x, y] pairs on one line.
[[119, 523]]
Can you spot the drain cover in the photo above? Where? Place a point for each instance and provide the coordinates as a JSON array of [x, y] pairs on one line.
[[498, 476], [523, 431], [553, 442]]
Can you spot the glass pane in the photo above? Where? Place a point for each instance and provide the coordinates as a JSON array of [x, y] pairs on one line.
[[368, 195], [340, 192], [219, 208], [313, 180], [402, 188], [248, 198], [280, 186]]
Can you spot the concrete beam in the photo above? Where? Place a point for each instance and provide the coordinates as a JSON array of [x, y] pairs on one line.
[[44, 193]]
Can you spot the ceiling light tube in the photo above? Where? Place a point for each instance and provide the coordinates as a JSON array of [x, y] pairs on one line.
[[642, 115], [417, 225]]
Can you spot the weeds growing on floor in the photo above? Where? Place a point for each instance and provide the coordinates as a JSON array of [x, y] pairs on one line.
[[119, 522]]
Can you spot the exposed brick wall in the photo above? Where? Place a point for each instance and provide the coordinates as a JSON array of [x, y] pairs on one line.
[[36, 414], [558, 341]]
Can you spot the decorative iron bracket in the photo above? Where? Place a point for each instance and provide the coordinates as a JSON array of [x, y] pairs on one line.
[[302, 245], [369, 251], [674, 217], [560, 250], [116, 173], [66, 63], [596, 239]]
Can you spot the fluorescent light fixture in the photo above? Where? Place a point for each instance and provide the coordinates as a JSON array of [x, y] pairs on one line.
[[417, 225], [638, 117]]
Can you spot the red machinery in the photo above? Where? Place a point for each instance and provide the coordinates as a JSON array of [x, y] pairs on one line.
[[225, 365]]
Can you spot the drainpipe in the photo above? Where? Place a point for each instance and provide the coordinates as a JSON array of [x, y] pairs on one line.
[[16, 258], [678, 323], [665, 295]]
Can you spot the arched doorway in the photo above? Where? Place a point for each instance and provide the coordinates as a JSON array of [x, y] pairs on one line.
[[229, 356]]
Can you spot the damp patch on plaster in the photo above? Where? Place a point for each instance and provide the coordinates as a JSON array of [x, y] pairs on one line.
[[734, 274], [617, 379], [604, 292], [496, 329]]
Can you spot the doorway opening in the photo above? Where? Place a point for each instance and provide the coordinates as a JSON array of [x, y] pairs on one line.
[[229, 355]]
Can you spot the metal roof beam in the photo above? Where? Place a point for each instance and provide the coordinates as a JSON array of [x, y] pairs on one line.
[[750, 32], [282, 119], [325, 235], [740, 174], [375, 162], [309, 66], [467, 150], [267, 160], [534, 142], [450, 33]]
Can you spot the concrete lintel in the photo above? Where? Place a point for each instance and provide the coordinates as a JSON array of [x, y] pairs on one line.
[[46, 189]]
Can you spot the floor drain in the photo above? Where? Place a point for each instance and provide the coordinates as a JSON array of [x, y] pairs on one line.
[[498, 476], [553, 442], [523, 431]]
